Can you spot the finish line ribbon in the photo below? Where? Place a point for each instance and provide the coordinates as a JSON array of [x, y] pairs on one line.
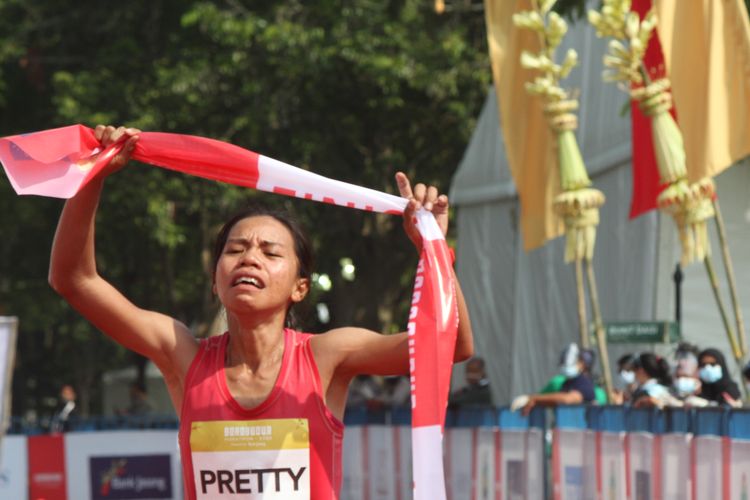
[[59, 162]]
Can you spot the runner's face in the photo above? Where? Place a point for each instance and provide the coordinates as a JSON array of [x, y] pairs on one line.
[[258, 268]]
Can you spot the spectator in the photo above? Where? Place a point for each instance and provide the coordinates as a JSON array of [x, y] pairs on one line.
[[365, 391], [717, 386], [687, 384], [746, 376], [652, 374], [477, 389], [555, 383], [397, 391], [575, 365], [626, 375], [66, 410]]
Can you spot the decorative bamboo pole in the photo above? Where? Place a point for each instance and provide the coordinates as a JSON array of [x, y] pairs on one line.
[[601, 335], [577, 204], [581, 298], [719, 219]]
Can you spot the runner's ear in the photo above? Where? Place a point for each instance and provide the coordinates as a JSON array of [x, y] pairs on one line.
[[301, 287]]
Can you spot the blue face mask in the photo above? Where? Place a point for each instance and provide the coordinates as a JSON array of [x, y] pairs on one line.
[[710, 374], [570, 371], [627, 377], [685, 386]]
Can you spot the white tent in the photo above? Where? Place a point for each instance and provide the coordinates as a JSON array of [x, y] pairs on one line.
[[523, 305]]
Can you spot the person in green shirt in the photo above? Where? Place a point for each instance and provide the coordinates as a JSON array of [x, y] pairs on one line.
[[556, 382]]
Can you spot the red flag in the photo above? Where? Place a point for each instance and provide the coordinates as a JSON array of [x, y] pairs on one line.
[[646, 182]]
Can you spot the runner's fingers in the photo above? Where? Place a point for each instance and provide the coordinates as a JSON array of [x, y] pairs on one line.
[[430, 197], [99, 132], [404, 187], [117, 134], [420, 191]]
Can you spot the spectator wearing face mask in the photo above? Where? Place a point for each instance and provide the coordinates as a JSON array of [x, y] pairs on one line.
[[575, 365], [555, 383], [686, 382], [652, 374], [717, 386], [626, 380]]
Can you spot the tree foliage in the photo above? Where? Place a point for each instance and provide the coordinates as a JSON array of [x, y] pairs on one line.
[[352, 90]]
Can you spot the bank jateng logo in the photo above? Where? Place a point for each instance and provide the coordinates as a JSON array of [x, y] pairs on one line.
[[131, 477]]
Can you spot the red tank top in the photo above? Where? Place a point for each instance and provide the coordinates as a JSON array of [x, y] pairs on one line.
[[288, 447]]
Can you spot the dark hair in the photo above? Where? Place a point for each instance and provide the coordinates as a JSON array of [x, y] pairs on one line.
[[476, 360], [588, 357], [625, 361], [302, 245], [654, 366], [683, 348]]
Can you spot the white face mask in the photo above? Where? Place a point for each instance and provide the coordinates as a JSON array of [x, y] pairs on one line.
[[685, 386], [570, 371], [627, 377], [710, 373]]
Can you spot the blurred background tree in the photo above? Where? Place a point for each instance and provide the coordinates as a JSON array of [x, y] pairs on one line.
[[353, 90]]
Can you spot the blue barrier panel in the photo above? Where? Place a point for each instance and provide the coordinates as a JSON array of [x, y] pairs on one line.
[[514, 420], [710, 422], [401, 416], [364, 416], [571, 417], [678, 420], [738, 423], [474, 417], [644, 420], [606, 418]]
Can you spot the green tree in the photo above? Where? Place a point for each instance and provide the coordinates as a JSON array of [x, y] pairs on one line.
[[353, 90]]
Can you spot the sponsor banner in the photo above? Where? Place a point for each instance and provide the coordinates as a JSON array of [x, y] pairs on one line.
[[47, 467], [642, 464], [512, 468], [612, 465], [130, 477], [707, 467], [675, 466], [484, 475], [377, 462], [402, 436], [355, 456], [572, 470], [259, 459], [459, 462], [535, 464], [14, 478], [590, 460], [382, 463], [8, 328], [81, 447], [739, 469]]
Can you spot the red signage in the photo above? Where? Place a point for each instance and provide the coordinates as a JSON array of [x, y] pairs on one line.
[[47, 467]]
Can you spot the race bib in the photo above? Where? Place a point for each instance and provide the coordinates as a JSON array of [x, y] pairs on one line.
[[255, 460]]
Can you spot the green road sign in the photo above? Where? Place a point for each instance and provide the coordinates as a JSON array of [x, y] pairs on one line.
[[642, 332]]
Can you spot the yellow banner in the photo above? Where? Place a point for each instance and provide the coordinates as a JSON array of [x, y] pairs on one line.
[[244, 435], [529, 143], [706, 46]]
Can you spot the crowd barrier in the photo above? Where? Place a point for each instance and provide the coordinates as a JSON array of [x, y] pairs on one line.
[[608, 453]]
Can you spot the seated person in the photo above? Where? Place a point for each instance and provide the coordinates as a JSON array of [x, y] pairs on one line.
[[578, 387], [716, 385]]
